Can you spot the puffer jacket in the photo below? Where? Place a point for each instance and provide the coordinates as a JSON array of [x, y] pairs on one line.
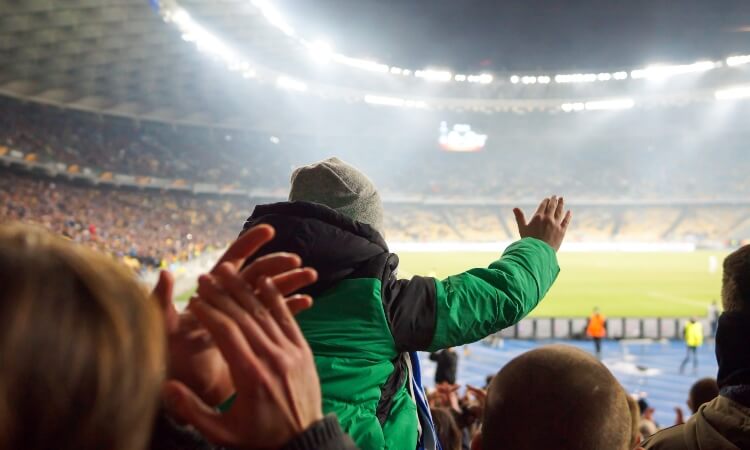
[[366, 321]]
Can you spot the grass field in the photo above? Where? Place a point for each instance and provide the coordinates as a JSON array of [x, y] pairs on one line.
[[621, 284]]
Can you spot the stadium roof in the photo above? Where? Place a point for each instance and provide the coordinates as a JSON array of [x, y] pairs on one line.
[[120, 57]]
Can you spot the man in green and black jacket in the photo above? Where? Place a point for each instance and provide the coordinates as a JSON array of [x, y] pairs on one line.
[[366, 320]]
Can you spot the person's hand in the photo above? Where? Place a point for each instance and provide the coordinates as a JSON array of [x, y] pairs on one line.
[[679, 416], [449, 395], [192, 355], [480, 395], [548, 223], [277, 388]]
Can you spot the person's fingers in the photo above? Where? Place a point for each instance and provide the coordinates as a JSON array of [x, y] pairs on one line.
[[566, 220], [242, 308], [294, 280], [253, 310], [162, 293], [560, 208], [245, 245], [185, 406], [298, 303], [245, 367], [551, 206], [270, 265], [273, 299], [520, 219], [542, 207]]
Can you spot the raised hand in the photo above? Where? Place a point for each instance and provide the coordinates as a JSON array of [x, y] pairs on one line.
[[272, 368], [548, 223], [193, 357]]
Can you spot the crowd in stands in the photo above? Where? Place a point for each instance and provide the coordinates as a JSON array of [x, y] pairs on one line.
[[144, 229], [92, 361], [401, 161], [150, 228]]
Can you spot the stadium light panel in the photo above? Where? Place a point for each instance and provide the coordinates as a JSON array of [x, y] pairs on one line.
[[286, 82], [604, 76], [609, 105], [620, 75], [364, 64], [515, 79], [273, 16], [660, 72], [382, 100], [528, 80], [460, 77], [735, 93], [544, 79], [396, 70], [575, 78], [570, 107], [434, 75], [320, 51], [734, 61]]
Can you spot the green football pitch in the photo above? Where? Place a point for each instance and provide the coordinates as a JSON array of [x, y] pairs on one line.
[[620, 284]]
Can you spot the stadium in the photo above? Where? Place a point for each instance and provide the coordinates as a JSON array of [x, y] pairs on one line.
[[150, 130]]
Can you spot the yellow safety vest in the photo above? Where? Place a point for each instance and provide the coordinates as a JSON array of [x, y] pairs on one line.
[[694, 334]]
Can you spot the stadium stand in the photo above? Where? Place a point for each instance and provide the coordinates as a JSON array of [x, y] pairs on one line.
[[146, 230]]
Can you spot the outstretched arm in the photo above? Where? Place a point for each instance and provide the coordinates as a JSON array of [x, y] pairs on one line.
[[429, 314]]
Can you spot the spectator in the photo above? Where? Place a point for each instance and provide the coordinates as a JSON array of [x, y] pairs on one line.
[[449, 435], [702, 391], [81, 348], [447, 360], [278, 396], [367, 323], [724, 422], [555, 397], [635, 416], [648, 425]]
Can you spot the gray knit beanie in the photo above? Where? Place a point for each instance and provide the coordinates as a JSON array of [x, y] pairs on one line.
[[339, 186]]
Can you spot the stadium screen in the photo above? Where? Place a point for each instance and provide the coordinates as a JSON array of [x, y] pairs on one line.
[[460, 138]]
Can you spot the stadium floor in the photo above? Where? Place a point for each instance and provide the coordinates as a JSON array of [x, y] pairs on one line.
[[649, 368]]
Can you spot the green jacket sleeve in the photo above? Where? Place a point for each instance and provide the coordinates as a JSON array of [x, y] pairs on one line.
[[474, 304]]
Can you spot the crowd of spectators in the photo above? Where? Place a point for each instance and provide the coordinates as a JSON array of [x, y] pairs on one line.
[[144, 229], [401, 161]]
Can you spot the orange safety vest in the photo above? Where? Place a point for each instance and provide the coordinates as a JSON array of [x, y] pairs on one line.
[[596, 326]]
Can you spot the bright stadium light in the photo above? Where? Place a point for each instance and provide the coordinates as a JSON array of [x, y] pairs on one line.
[[660, 72], [620, 75], [528, 80], [382, 100], [483, 78], [434, 75], [610, 104], [460, 77], [733, 61], [320, 51], [364, 64], [544, 79], [273, 16], [515, 79], [735, 93], [204, 40], [575, 78], [570, 107], [604, 76], [396, 70], [286, 82]]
